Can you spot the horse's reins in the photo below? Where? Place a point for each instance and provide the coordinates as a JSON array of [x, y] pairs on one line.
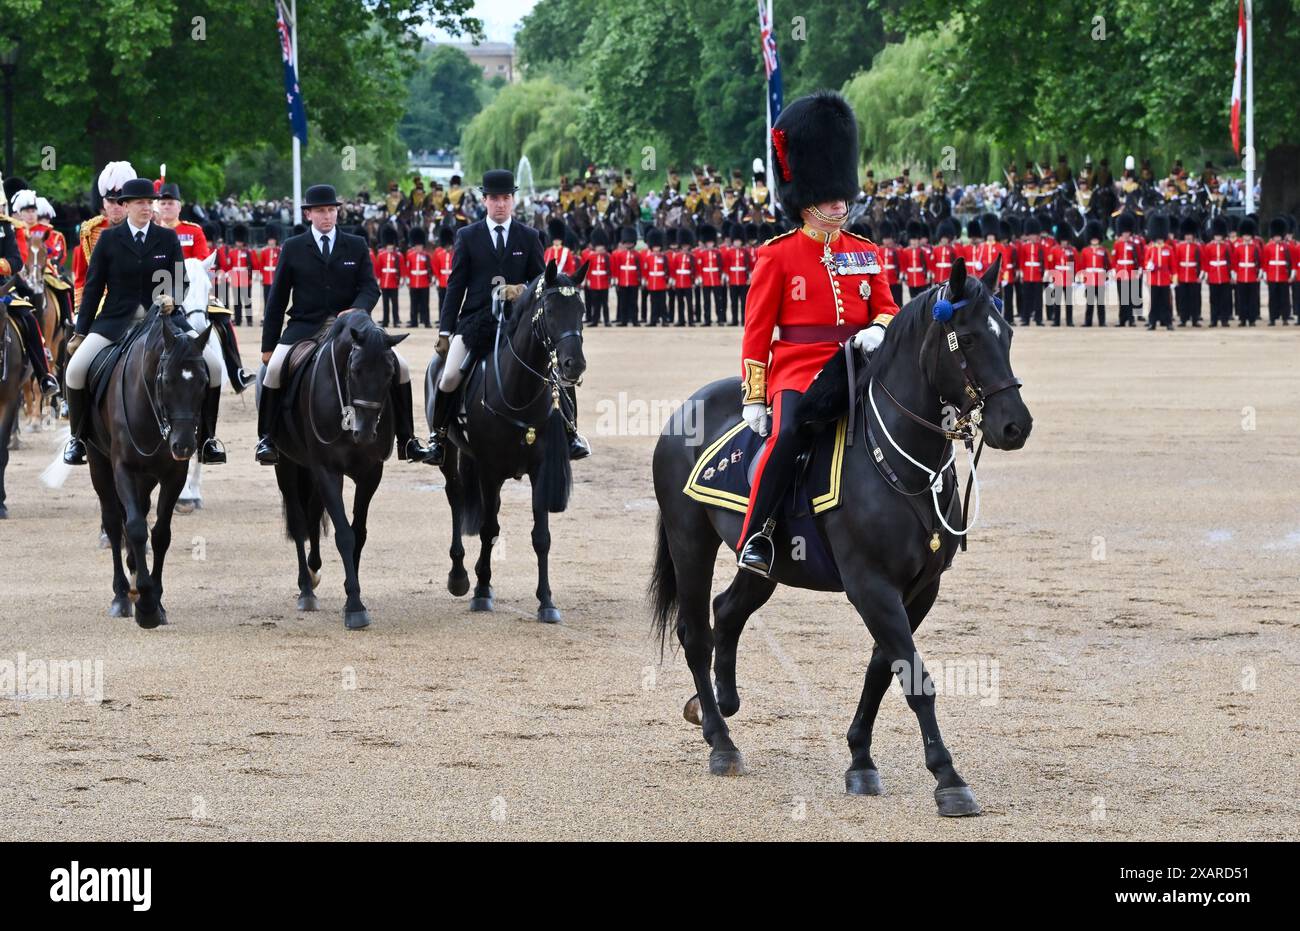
[[347, 407], [552, 379], [160, 417], [968, 419]]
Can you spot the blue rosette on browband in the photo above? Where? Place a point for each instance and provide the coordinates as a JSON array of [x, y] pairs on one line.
[[943, 310]]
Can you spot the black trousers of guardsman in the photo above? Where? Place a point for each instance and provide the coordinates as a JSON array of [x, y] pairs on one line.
[[776, 465], [1221, 304], [1187, 298], [1247, 301], [627, 305], [1279, 302]]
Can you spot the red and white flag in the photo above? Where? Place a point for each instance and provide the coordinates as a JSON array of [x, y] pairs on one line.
[[1236, 76]]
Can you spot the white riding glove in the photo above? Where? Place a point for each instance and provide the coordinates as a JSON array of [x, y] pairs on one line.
[[756, 416], [869, 339]]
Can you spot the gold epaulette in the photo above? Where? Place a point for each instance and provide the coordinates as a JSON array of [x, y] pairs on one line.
[[780, 236]]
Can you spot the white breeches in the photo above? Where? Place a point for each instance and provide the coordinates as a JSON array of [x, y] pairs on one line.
[[451, 375], [79, 364], [273, 368]]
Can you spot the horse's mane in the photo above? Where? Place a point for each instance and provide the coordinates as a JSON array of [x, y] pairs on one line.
[[360, 328], [906, 328]]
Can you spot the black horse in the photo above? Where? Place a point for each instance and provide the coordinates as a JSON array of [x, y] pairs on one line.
[[335, 425], [14, 372], [517, 408], [144, 429], [888, 547]]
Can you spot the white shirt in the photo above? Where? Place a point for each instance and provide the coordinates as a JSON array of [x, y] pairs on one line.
[[138, 229], [492, 229], [332, 234]]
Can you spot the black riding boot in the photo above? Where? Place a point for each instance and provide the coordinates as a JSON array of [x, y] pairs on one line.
[[408, 447], [211, 452], [268, 416], [444, 402], [579, 448], [759, 552], [75, 452]]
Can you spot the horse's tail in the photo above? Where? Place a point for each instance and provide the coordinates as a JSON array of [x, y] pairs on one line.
[[662, 590], [471, 495], [556, 474]]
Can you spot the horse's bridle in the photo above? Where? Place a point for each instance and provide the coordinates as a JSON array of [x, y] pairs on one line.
[[552, 379], [347, 405], [160, 415]]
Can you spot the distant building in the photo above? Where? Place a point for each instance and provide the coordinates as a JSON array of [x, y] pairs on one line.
[[497, 59]]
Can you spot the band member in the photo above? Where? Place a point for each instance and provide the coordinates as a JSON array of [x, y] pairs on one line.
[[709, 269], [1031, 262], [443, 258], [595, 286], [417, 268], [21, 313], [388, 272], [1246, 272], [1278, 272], [654, 274], [1126, 259], [323, 273], [130, 261], [1188, 275], [488, 252], [1093, 271], [1159, 266], [839, 297], [627, 276]]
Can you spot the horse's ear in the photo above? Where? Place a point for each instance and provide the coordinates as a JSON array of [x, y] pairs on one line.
[[957, 279], [550, 273], [582, 272], [990, 278], [169, 335], [392, 340], [201, 341]]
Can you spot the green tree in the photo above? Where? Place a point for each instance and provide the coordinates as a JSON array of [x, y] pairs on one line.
[[442, 98], [536, 118]]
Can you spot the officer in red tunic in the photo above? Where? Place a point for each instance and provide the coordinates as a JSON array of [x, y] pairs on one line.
[[709, 270], [1216, 265], [1187, 274], [595, 287], [1247, 269], [1278, 273], [388, 272], [417, 268], [1159, 266], [1094, 271], [820, 285], [627, 276]]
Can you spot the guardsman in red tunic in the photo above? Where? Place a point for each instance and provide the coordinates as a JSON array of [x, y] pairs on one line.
[[915, 261], [388, 272], [735, 260], [1126, 259], [1294, 245], [417, 268], [627, 276], [654, 274], [681, 270], [566, 262], [966, 250], [1187, 274], [1061, 262], [821, 286], [891, 269], [442, 258], [1094, 271], [268, 260], [1010, 255], [595, 287], [236, 263], [1247, 269], [985, 249], [1278, 272], [1031, 264], [709, 269], [1159, 266], [941, 255], [1216, 264]]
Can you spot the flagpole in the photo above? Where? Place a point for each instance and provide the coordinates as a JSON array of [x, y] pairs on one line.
[[297, 144], [1250, 109], [767, 139]]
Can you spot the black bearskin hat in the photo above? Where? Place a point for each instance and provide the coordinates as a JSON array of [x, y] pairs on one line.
[[708, 233], [1188, 227], [598, 237], [815, 150], [1248, 227], [627, 235], [654, 236], [240, 233], [1093, 231], [388, 236], [1158, 226], [974, 230], [1126, 223], [946, 229], [555, 229], [417, 236], [1218, 227], [1277, 226], [446, 236]]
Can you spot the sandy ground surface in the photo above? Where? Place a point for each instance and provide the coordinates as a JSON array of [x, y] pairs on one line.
[[1134, 582]]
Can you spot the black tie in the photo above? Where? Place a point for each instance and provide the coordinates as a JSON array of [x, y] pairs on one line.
[[139, 237], [501, 242], [325, 247]]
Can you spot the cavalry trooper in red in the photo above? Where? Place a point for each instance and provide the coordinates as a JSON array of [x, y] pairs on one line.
[[1187, 274], [1278, 273], [627, 276], [709, 268], [915, 260], [1216, 264], [820, 285], [735, 260], [595, 287]]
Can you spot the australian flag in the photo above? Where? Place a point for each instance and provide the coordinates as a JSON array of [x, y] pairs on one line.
[[771, 64], [292, 92]]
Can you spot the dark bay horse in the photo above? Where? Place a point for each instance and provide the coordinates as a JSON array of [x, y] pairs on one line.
[[14, 373], [141, 435], [339, 422], [517, 408], [888, 547]]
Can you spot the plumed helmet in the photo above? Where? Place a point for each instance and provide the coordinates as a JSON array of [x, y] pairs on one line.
[[114, 175], [21, 200], [815, 152], [44, 208]]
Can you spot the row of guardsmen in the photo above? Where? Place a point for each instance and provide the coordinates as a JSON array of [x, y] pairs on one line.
[[1158, 272]]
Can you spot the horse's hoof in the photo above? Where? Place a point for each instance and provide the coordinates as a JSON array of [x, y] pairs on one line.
[[184, 507], [149, 621], [103, 540], [121, 607], [956, 802], [726, 763], [315, 580], [548, 615], [308, 602], [355, 620], [162, 615], [692, 711], [863, 782], [458, 585], [4, 512], [482, 603]]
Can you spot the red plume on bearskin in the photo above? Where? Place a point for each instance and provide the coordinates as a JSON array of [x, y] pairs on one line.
[[818, 152]]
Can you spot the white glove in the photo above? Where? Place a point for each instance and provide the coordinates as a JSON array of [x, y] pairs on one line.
[[869, 339], [756, 416]]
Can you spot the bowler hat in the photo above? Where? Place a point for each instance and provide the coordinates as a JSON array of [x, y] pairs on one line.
[[321, 195], [498, 181], [137, 189]]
